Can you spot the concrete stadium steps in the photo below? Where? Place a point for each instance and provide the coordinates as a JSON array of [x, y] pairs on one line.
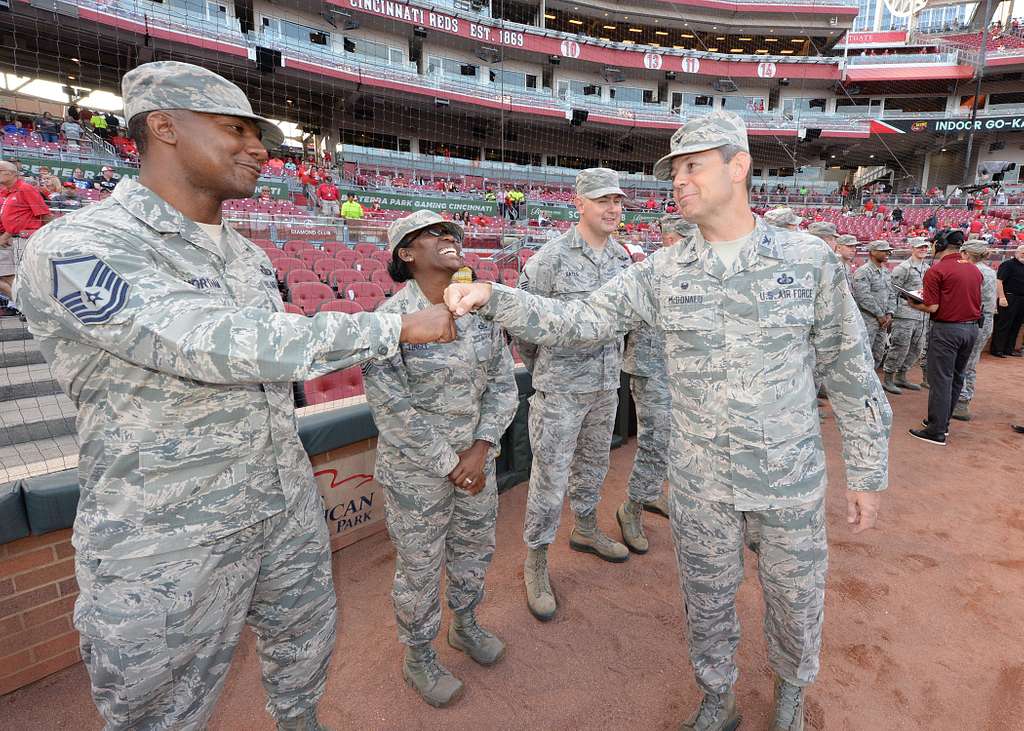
[[34, 418], [19, 353], [39, 457], [27, 381]]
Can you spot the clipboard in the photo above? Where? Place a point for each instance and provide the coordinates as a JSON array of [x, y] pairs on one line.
[[908, 295]]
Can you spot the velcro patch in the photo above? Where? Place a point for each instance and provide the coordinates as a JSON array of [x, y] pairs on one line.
[[88, 288]]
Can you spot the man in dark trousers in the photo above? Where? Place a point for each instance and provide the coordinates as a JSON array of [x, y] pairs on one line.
[[1010, 298], [952, 294]]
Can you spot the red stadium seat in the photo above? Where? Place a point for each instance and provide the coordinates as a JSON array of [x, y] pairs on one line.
[[275, 256], [384, 281], [346, 258], [341, 278], [487, 271], [311, 256], [286, 264], [334, 386], [471, 260], [298, 276], [324, 266], [295, 246], [293, 309], [525, 254], [333, 247], [369, 264], [310, 295], [368, 294], [349, 306], [365, 249], [509, 277]]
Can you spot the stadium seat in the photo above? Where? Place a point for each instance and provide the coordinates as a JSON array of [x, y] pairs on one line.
[[487, 271], [471, 260], [310, 295], [333, 247], [368, 294], [298, 276], [275, 256], [369, 264], [311, 256], [524, 255], [348, 306], [324, 266], [293, 309], [384, 281], [286, 264], [295, 246], [334, 386], [346, 258], [341, 278], [509, 277], [365, 249]]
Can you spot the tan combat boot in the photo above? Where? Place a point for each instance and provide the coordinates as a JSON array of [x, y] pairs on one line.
[[962, 411], [424, 674], [658, 507], [466, 635], [631, 522], [715, 713], [306, 722], [588, 538], [889, 385], [902, 382], [788, 708], [540, 597]]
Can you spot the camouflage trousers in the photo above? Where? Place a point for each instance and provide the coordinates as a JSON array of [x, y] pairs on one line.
[[653, 422], [158, 633], [571, 435], [971, 371], [792, 562], [433, 525], [905, 344], [877, 338]]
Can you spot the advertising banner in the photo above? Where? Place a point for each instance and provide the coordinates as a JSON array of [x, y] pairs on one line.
[[414, 202], [1009, 123], [353, 501]]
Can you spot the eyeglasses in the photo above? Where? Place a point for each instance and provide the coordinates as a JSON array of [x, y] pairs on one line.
[[437, 231]]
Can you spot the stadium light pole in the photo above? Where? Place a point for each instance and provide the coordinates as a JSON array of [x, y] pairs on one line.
[[979, 73]]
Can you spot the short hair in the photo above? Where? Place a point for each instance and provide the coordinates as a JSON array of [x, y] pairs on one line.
[[398, 268], [949, 239], [728, 152], [138, 130]]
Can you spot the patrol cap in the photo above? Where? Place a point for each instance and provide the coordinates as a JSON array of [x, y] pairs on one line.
[[596, 182], [706, 132], [417, 221], [975, 246], [916, 242], [163, 85], [822, 228], [846, 240], [783, 216], [879, 245], [674, 223]]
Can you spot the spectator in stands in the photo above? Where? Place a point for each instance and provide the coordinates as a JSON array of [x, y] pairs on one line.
[[99, 124], [14, 127], [276, 166], [265, 194], [976, 226], [1010, 298], [290, 166], [897, 216], [952, 295], [352, 209], [869, 207], [107, 180], [113, 124], [73, 112], [79, 180], [440, 413], [24, 211], [329, 196], [50, 186], [72, 130], [47, 128]]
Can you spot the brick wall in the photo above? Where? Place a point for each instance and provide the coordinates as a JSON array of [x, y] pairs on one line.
[[37, 596]]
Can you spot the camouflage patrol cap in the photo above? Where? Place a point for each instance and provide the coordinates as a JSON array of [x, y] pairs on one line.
[[596, 182], [706, 132], [417, 221], [975, 246], [164, 85], [846, 240], [783, 216], [917, 242], [674, 223], [822, 228], [879, 245]]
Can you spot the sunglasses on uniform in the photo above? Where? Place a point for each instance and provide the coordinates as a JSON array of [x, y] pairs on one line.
[[437, 231]]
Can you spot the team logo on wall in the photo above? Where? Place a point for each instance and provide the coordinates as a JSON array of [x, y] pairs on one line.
[[905, 8], [766, 70], [690, 65], [652, 61], [919, 127], [570, 49]]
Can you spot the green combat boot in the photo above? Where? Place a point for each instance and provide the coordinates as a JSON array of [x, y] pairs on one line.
[[888, 385], [306, 722], [788, 708], [424, 674], [962, 411], [466, 635], [902, 382], [588, 538], [631, 522], [540, 597], [716, 713], [658, 507]]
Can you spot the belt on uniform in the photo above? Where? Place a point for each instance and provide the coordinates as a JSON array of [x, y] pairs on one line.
[[958, 322]]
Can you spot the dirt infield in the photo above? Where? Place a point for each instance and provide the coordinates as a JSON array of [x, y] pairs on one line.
[[924, 620]]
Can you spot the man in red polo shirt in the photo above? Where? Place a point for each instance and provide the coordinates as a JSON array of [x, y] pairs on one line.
[[328, 194], [23, 212], [952, 295]]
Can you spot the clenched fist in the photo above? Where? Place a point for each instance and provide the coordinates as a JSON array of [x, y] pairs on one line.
[[432, 325], [463, 298]]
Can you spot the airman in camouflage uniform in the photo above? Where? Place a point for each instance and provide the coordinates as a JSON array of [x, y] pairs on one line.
[[977, 251], [846, 250], [908, 325], [873, 292], [644, 361], [572, 413], [437, 406], [824, 230], [749, 324], [198, 511], [783, 217]]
